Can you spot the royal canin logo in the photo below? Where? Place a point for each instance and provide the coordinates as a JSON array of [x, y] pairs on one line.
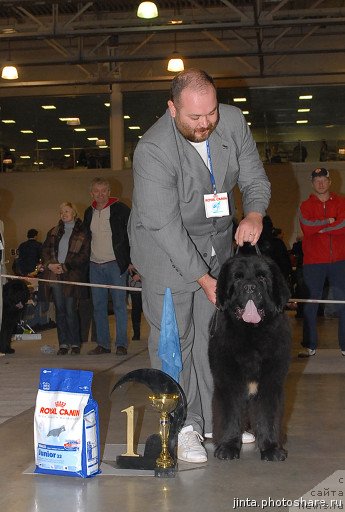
[[60, 404], [59, 412]]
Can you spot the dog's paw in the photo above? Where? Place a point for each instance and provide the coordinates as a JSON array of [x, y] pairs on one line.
[[227, 452], [274, 454]]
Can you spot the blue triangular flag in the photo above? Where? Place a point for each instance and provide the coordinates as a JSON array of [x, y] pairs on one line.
[[169, 349]]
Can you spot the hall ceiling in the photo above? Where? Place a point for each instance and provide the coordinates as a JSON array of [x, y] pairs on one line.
[[240, 42]]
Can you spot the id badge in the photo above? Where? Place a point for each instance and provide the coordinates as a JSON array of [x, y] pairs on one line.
[[216, 205]]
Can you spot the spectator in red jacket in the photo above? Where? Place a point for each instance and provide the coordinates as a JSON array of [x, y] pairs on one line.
[[322, 219]]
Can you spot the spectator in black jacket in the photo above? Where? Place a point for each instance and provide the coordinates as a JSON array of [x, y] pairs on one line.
[[29, 254], [107, 220]]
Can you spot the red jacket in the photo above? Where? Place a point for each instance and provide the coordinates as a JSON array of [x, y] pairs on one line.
[[323, 242]]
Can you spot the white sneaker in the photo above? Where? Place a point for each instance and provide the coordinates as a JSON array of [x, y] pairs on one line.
[[342, 353], [189, 447], [307, 353], [247, 437]]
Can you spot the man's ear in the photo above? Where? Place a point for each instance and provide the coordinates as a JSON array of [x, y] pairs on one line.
[[172, 108]]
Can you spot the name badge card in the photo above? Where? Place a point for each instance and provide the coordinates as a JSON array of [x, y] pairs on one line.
[[216, 205]]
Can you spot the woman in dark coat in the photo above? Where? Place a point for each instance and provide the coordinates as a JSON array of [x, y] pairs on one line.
[[65, 257]]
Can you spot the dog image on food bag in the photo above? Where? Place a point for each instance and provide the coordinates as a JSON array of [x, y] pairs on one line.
[[249, 354]]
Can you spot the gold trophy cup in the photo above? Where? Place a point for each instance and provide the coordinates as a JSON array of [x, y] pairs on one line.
[[164, 403]]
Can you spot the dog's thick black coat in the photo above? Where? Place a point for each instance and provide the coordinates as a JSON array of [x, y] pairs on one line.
[[15, 294], [249, 361]]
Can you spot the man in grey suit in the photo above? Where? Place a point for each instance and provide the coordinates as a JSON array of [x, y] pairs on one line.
[[185, 169]]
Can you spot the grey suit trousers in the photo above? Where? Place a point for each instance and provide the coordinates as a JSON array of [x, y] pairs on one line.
[[193, 313]]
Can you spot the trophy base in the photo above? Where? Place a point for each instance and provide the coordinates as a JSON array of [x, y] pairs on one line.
[[128, 462], [165, 472]]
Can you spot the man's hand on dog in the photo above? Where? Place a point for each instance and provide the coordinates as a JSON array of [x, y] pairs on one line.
[[249, 229]]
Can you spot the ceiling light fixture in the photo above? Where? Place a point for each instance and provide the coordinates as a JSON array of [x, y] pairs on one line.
[[9, 71], [175, 63], [147, 10], [73, 121]]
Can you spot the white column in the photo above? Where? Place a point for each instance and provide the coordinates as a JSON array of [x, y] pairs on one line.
[[116, 129]]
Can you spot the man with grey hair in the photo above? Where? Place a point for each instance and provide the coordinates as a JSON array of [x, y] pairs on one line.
[[185, 169], [107, 220]]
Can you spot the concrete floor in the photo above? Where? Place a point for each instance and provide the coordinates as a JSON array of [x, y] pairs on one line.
[[314, 423]]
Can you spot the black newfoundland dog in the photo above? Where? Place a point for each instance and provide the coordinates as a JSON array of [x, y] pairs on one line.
[[249, 355], [15, 294]]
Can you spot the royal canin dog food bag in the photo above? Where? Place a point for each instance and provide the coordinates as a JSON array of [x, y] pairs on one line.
[[66, 425]]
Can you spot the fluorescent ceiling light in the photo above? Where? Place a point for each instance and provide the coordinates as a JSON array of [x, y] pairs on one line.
[[55, 148], [239, 100], [92, 138], [8, 121], [249, 123], [49, 107], [303, 110], [42, 140], [107, 104], [24, 156], [245, 112], [102, 147], [134, 127], [80, 129], [26, 131], [67, 155], [302, 121], [306, 97], [126, 117], [74, 121]]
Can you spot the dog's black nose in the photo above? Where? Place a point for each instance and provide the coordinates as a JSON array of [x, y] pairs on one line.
[[249, 288]]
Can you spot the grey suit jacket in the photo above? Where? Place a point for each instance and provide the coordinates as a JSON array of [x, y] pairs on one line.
[[171, 239]]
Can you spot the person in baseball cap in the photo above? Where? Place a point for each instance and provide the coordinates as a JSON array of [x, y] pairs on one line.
[[318, 172], [322, 223]]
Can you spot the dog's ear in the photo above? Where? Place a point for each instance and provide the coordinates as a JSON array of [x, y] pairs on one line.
[[224, 286], [280, 289]]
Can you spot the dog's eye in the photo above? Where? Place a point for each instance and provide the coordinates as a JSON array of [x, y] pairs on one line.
[[239, 275], [261, 276]]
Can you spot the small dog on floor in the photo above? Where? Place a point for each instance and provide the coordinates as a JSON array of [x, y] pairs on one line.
[[249, 353], [15, 295]]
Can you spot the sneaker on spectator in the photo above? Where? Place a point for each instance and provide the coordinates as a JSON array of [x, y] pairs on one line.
[[309, 352], [189, 447]]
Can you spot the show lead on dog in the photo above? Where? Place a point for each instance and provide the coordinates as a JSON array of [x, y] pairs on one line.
[[322, 219], [185, 169]]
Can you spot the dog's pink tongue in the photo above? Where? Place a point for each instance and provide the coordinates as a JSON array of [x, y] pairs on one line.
[[250, 313]]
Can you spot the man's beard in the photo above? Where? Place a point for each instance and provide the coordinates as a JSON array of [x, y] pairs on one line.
[[195, 135]]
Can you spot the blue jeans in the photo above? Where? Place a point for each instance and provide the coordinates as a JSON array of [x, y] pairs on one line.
[[109, 273], [314, 278], [67, 322]]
